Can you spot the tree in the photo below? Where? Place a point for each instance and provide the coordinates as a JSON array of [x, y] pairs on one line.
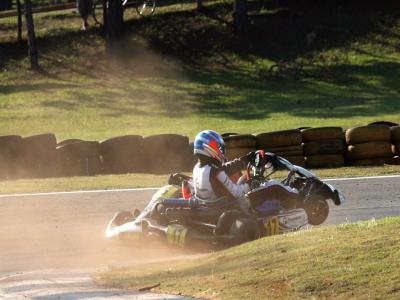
[[240, 21], [114, 24], [32, 49], [19, 21]]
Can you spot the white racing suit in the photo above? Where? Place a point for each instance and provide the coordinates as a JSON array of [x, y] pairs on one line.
[[212, 183]]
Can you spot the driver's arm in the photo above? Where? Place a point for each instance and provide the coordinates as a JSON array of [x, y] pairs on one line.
[[238, 164], [223, 186]]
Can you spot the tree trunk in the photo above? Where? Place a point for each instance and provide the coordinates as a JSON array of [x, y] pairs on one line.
[[32, 50], [105, 3], [200, 7], [19, 21], [240, 21], [115, 24]]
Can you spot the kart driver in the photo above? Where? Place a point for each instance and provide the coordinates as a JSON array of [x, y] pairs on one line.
[[211, 175]]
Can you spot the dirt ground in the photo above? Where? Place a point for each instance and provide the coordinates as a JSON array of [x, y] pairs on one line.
[[66, 231]]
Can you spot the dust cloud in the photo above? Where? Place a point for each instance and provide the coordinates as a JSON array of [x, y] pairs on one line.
[[64, 232]]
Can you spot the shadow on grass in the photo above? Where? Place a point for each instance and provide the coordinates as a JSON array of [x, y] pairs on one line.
[[372, 91], [280, 31]]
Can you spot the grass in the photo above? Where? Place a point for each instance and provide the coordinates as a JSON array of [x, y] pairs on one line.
[[148, 180], [350, 261], [182, 72]]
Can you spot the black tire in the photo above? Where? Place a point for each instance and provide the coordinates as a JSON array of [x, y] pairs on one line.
[[383, 123], [395, 134], [165, 153], [226, 134], [39, 155], [325, 161], [122, 217], [365, 134], [297, 160], [232, 153], [369, 150], [240, 141], [277, 139], [79, 150], [244, 230], [225, 221], [123, 154], [10, 146], [328, 146], [317, 211], [322, 133], [68, 141]]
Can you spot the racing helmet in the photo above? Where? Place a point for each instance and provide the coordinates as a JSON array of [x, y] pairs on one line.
[[209, 143]]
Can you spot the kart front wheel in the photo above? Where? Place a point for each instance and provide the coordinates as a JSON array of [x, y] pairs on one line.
[[317, 211]]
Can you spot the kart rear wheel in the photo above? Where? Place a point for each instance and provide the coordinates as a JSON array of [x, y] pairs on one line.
[[122, 217], [225, 221], [244, 230], [317, 211]]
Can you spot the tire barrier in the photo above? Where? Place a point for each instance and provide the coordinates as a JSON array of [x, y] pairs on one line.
[[39, 156], [395, 134], [374, 162], [285, 143], [297, 160], [278, 139], [325, 147], [10, 157], [333, 146], [384, 123], [79, 158], [363, 134], [166, 153], [239, 145], [369, 145], [122, 154], [295, 150], [238, 152], [369, 150], [325, 161], [322, 133]]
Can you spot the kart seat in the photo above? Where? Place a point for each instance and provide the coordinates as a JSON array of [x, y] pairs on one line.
[[176, 202]]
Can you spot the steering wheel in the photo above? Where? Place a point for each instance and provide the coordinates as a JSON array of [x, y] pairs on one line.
[[256, 168]]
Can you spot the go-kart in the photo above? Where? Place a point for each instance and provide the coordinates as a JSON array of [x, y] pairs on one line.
[[174, 214]]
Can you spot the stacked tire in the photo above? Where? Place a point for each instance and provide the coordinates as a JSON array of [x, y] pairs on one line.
[[239, 145], [122, 154], [38, 156], [324, 147], [395, 138], [285, 143], [78, 158], [167, 153], [369, 145], [10, 156]]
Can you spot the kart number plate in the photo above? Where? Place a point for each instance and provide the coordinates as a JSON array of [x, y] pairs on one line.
[[272, 226]]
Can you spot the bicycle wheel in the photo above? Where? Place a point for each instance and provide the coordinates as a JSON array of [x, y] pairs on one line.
[[146, 7]]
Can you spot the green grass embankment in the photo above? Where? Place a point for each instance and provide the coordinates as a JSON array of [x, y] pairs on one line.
[[351, 261]]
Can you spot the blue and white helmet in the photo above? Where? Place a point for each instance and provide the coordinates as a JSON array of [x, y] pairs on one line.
[[211, 144]]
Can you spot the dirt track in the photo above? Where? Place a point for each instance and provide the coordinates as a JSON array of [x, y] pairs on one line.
[[67, 231]]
